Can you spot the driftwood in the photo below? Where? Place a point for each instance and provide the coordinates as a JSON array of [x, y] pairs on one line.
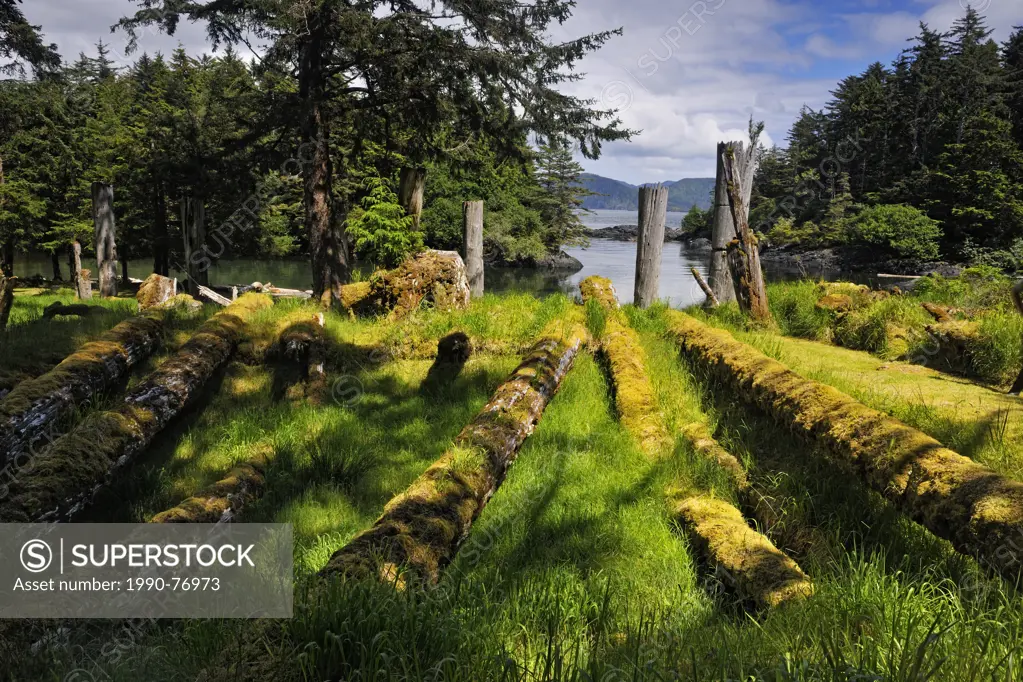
[[206, 293], [63, 478], [6, 299], [744, 257], [712, 299], [35, 410], [422, 528], [975, 508]]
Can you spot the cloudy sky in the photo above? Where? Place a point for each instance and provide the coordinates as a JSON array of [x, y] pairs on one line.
[[687, 74]]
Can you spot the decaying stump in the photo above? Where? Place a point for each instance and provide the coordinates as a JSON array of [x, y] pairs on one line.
[[105, 232], [421, 529], [6, 299], [746, 561], [453, 351], [35, 409], [300, 352], [975, 508], [155, 290], [635, 400], [63, 478], [744, 253], [224, 500], [433, 277]]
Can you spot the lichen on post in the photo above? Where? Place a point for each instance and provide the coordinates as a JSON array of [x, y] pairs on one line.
[[422, 528], [976, 509], [63, 478]]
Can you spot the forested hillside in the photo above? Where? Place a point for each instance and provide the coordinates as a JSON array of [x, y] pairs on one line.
[[920, 158], [616, 195]]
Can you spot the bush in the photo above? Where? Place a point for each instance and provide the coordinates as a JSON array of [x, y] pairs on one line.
[[794, 306], [904, 230], [381, 231], [785, 232]]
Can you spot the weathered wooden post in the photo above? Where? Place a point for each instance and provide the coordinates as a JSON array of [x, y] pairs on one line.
[[653, 211], [472, 212], [79, 278], [722, 232], [744, 256], [106, 247], [411, 188], [6, 299], [193, 227], [1017, 299]]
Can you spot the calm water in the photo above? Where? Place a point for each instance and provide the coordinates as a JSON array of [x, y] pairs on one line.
[[615, 260]]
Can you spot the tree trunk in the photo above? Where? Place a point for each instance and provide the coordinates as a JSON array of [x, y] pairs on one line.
[[161, 252], [55, 263], [193, 228], [722, 233], [653, 207], [411, 189], [328, 242], [1017, 299], [6, 303], [63, 479], [36, 409], [422, 529], [745, 255], [79, 278], [472, 219], [125, 279], [106, 249], [7, 258]]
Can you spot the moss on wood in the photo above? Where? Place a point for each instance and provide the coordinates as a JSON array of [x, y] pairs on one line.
[[635, 400], [222, 501], [33, 411], [433, 277], [421, 529], [979, 511], [745, 559], [703, 443], [61, 480]]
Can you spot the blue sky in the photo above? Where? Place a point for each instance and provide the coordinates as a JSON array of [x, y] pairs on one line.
[[688, 73]]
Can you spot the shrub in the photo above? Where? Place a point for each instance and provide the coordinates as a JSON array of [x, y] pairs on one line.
[[794, 306], [904, 230], [381, 231], [786, 232]]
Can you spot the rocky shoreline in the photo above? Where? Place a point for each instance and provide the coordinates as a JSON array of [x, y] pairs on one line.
[[816, 262]]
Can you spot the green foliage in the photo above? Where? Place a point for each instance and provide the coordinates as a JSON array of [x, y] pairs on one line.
[[380, 230], [904, 230], [697, 222], [784, 231]]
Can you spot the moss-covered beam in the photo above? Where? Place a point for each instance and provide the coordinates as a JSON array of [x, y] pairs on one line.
[[976, 509], [34, 411], [746, 560], [63, 478], [421, 529], [224, 500], [635, 400]]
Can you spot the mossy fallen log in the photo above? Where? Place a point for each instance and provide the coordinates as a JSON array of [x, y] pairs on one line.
[[437, 278], [705, 445], [224, 500], [421, 529], [976, 509], [635, 401], [746, 560], [34, 410], [62, 479]]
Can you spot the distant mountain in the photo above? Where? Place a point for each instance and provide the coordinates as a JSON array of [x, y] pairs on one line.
[[621, 196]]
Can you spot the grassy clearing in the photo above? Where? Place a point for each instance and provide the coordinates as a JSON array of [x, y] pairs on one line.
[[574, 571], [987, 343], [31, 346]]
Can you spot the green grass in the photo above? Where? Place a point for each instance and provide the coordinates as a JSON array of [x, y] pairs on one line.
[[31, 346], [573, 571]]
